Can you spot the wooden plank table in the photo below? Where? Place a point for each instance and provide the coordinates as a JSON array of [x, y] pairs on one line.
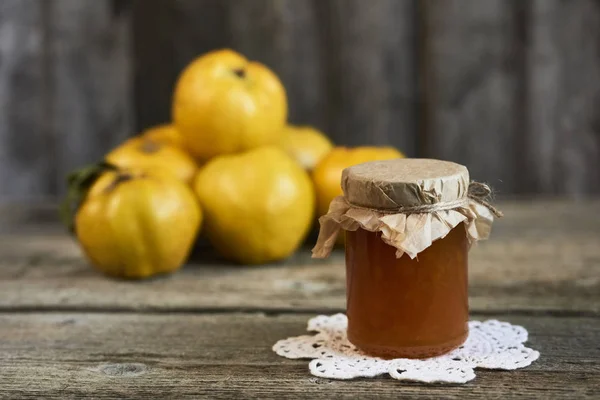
[[207, 331]]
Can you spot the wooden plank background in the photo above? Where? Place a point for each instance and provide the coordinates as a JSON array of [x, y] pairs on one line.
[[65, 90], [509, 88]]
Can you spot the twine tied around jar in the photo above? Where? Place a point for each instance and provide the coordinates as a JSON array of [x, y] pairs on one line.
[[481, 193], [478, 192]]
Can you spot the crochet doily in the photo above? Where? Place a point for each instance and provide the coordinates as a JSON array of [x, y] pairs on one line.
[[491, 344]]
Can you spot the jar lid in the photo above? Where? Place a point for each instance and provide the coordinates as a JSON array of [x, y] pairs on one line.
[[405, 183], [410, 202]]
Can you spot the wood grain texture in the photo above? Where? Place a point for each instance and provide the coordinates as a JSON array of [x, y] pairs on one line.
[[509, 88], [371, 71], [547, 251], [472, 86], [167, 36], [90, 69], [65, 83], [207, 331], [561, 143], [154, 64], [286, 36], [66, 355], [25, 159]]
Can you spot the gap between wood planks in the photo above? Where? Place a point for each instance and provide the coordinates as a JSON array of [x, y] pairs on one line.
[[272, 312]]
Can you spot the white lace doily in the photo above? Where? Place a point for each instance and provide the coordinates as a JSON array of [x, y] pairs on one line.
[[491, 344]]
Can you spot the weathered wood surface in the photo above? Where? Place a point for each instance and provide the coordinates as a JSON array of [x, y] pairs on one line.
[[369, 55], [64, 355], [547, 251], [206, 332], [561, 142], [472, 87], [23, 111], [89, 47], [168, 35], [65, 93], [511, 90]]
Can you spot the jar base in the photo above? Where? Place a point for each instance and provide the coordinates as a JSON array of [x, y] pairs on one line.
[[389, 353]]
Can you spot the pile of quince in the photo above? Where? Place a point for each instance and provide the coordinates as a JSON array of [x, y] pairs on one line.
[[228, 164]]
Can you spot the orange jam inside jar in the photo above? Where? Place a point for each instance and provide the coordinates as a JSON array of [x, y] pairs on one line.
[[409, 224], [403, 307]]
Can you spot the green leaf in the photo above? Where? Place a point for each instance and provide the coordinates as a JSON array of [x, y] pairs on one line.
[[79, 183]]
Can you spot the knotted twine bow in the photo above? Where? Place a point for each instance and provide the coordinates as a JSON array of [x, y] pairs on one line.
[[479, 192]]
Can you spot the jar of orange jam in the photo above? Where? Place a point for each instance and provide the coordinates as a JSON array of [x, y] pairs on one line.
[[409, 225]]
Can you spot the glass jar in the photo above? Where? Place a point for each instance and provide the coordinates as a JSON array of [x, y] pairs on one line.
[[409, 224], [403, 307]]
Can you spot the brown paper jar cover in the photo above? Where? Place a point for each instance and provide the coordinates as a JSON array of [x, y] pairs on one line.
[[410, 202]]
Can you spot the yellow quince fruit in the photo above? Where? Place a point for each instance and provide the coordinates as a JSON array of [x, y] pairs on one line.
[[137, 223], [258, 205], [224, 103], [145, 153], [307, 145]]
